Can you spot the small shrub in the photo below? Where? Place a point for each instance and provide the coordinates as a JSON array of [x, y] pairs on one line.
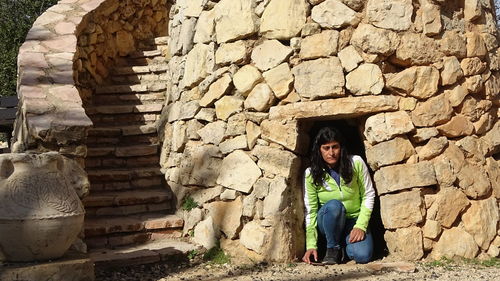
[[216, 255], [192, 254], [189, 204]]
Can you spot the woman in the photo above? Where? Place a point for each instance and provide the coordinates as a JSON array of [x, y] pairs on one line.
[[339, 199]]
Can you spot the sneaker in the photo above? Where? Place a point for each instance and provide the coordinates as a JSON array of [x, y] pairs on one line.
[[332, 256]]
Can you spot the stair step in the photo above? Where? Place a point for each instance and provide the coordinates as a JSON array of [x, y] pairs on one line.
[[128, 209], [126, 198], [162, 40], [96, 226], [127, 119], [121, 109], [121, 162], [138, 78], [140, 183], [115, 131], [144, 54], [111, 99], [135, 88], [166, 250], [122, 239], [101, 174]]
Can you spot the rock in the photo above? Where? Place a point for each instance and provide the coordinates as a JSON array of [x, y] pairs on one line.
[[274, 201], [254, 237], [365, 80], [125, 43], [228, 53], [481, 220], [261, 188], [485, 123], [405, 243], [280, 80], [202, 167], [310, 28], [431, 19], [436, 110], [216, 90], [449, 203], [226, 216], [333, 14], [206, 233], [283, 19], [454, 242], [240, 254], [402, 209], [323, 44], [227, 106], [319, 78], [433, 148], [389, 152], [249, 205], [234, 19], [282, 133], [389, 179], [385, 126], [451, 72], [261, 98], [474, 181], [390, 14], [423, 134], [236, 125], [349, 58], [179, 136], [448, 165], [246, 78], [239, 142], [473, 66], [213, 132], [206, 114], [453, 43], [475, 45], [431, 229], [238, 172], [228, 194], [276, 161], [474, 149], [472, 9], [375, 40], [199, 63], [270, 54], [253, 133], [205, 27], [458, 126], [456, 95], [493, 170], [492, 139], [417, 49], [191, 219]]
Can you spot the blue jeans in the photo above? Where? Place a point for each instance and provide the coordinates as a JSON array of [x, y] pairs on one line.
[[333, 224]]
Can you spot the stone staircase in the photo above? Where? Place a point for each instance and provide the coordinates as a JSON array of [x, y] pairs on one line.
[[129, 203]]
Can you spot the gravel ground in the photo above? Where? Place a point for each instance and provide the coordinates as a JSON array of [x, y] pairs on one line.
[[297, 271]]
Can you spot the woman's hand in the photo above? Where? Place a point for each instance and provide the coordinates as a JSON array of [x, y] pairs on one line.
[[307, 255], [356, 235]]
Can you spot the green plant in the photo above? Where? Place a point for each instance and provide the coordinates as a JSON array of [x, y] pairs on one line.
[[188, 204], [192, 254], [216, 255]]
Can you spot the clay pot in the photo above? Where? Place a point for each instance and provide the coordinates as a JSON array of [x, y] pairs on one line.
[[40, 212]]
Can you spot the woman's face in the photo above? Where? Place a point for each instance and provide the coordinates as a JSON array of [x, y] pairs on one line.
[[330, 152]]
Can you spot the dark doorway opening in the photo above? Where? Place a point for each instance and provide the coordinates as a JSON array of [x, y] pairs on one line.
[[352, 131]]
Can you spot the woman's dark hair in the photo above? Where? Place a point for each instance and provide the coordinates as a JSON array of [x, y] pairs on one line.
[[318, 165]]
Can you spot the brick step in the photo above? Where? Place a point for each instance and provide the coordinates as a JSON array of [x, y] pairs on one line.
[[145, 54], [135, 88], [123, 151], [163, 40], [98, 226], [127, 197], [161, 250], [123, 109], [138, 78], [128, 210], [141, 66], [121, 162], [135, 184], [126, 99], [126, 239], [116, 174], [116, 131], [125, 119], [99, 142]]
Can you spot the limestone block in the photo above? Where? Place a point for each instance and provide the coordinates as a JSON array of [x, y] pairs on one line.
[[246, 78], [431, 19], [280, 80], [200, 165], [374, 40], [405, 243], [417, 49], [473, 66], [192, 128], [389, 152], [475, 45], [228, 194], [402, 209], [240, 254], [492, 86], [261, 188], [436, 110], [310, 28], [451, 72], [493, 170], [385, 126], [270, 54], [458, 126], [448, 165], [485, 123], [455, 242], [390, 14], [319, 78], [433, 148], [203, 195], [480, 220], [456, 95], [236, 125], [249, 205], [275, 200], [213, 132], [253, 132], [389, 179], [494, 249], [365, 80], [238, 171], [179, 136], [234, 19], [216, 90], [280, 132], [206, 233], [227, 106], [254, 237], [206, 114], [431, 229], [333, 14], [474, 181], [191, 219], [349, 58], [449, 203], [193, 8], [283, 19], [453, 44], [125, 42], [474, 148], [423, 134], [473, 107], [199, 63], [276, 161], [323, 44], [205, 27], [261, 98], [472, 9], [226, 215], [228, 53], [229, 145]]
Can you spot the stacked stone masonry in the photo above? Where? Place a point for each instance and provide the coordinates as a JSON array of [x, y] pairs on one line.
[[420, 78]]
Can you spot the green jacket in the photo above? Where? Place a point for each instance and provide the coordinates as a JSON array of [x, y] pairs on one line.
[[357, 196]]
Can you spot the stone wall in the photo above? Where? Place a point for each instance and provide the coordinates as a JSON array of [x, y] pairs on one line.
[[67, 52], [421, 77]]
